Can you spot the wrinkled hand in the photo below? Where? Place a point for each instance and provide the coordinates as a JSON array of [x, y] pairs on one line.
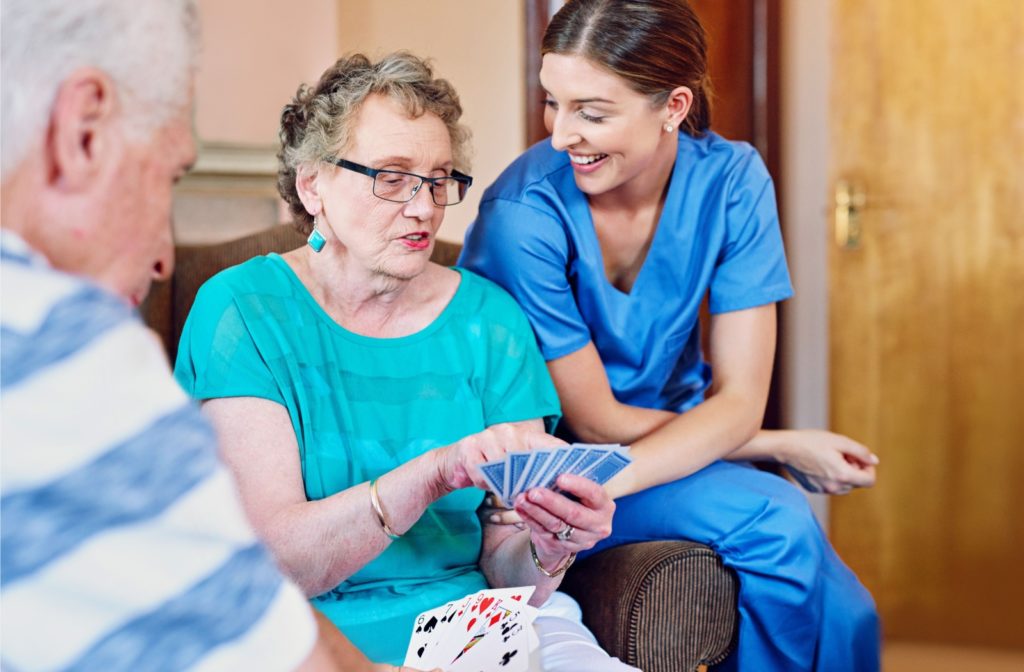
[[546, 512], [458, 463], [824, 462]]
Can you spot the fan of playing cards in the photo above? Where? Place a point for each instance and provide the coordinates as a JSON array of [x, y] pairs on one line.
[[519, 472], [489, 630]]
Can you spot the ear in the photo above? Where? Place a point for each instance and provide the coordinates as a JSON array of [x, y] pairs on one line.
[[81, 136], [306, 184], [678, 105]]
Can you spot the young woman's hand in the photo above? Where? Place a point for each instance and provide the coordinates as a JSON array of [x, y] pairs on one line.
[[493, 511], [825, 462]]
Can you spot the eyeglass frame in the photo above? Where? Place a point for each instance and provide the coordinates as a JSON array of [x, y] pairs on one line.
[[374, 172]]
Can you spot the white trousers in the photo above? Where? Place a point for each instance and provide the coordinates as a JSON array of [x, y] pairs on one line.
[[566, 645]]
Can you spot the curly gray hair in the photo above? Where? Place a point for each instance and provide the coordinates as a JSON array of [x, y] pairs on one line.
[[318, 121]]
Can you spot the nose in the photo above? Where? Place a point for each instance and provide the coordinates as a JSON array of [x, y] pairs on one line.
[[421, 205], [563, 132]]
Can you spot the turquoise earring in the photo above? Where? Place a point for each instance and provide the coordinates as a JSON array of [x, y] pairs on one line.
[[316, 239]]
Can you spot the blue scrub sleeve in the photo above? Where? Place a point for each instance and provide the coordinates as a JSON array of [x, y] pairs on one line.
[[751, 267], [217, 356], [526, 251]]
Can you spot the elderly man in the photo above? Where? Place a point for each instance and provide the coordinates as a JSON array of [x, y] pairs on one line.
[[123, 543]]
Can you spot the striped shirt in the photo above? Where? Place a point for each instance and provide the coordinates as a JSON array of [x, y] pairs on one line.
[[123, 544]]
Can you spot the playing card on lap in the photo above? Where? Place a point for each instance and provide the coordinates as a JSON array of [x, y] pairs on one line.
[[504, 647], [449, 633], [428, 630], [480, 616]]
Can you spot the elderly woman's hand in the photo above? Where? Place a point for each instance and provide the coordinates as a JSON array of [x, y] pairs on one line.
[[458, 463], [560, 526]]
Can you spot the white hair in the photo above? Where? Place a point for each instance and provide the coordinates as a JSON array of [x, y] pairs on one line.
[[149, 48]]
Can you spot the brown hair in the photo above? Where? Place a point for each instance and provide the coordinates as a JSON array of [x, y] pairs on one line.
[[655, 45], [318, 122]]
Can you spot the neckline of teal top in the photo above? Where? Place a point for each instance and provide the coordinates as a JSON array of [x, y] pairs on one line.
[[374, 341]]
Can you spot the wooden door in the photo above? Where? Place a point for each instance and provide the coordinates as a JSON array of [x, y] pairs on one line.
[[927, 313]]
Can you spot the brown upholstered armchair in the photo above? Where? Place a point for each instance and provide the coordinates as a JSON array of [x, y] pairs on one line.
[[664, 606]]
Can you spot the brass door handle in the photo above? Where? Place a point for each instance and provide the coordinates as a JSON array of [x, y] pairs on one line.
[[849, 202]]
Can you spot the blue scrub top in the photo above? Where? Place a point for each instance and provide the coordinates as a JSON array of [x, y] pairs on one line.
[[718, 232]]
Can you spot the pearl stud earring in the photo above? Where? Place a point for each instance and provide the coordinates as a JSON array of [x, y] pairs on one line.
[[669, 128]]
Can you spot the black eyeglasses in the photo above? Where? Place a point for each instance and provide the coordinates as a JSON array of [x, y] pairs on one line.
[[401, 187]]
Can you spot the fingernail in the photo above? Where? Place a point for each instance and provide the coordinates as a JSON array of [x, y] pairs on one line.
[[534, 495], [874, 458], [494, 518]]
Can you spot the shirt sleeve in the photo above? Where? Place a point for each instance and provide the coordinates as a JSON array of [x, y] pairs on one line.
[[518, 385], [218, 355], [527, 251], [751, 267]]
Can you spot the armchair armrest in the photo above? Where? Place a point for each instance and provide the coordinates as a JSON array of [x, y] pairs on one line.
[[663, 606]]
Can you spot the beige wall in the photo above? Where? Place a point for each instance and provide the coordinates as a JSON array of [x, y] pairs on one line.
[[255, 54], [478, 46]]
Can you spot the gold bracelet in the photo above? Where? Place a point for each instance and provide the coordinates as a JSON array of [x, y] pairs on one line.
[[375, 504], [557, 572]]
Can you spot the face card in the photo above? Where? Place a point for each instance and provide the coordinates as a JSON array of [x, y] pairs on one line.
[[504, 648], [484, 611], [608, 466]]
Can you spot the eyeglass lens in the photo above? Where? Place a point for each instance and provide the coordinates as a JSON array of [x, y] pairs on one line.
[[400, 187]]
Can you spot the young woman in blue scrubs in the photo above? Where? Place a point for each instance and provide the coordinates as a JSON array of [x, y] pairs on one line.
[[610, 235]]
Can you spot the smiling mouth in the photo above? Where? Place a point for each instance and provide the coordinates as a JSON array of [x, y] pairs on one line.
[[586, 159]]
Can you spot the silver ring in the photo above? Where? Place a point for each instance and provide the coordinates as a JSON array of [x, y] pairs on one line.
[[564, 534]]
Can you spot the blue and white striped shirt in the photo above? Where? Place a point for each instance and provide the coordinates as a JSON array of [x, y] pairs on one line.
[[124, 545]]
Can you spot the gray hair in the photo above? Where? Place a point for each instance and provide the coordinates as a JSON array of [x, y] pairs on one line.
[[148, 48], [318, 121]]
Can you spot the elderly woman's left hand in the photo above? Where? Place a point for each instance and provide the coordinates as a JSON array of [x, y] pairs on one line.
[[560, 526]]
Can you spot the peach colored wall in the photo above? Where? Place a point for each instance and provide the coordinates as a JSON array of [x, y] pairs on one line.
[[478, 46], [255, 54]]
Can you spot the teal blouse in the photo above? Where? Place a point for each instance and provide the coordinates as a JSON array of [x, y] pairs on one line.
[[362, 406]]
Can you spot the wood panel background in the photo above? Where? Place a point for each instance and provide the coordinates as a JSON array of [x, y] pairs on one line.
[[927, 315]]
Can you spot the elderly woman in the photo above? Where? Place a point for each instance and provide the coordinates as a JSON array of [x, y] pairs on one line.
[[357, 386]]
